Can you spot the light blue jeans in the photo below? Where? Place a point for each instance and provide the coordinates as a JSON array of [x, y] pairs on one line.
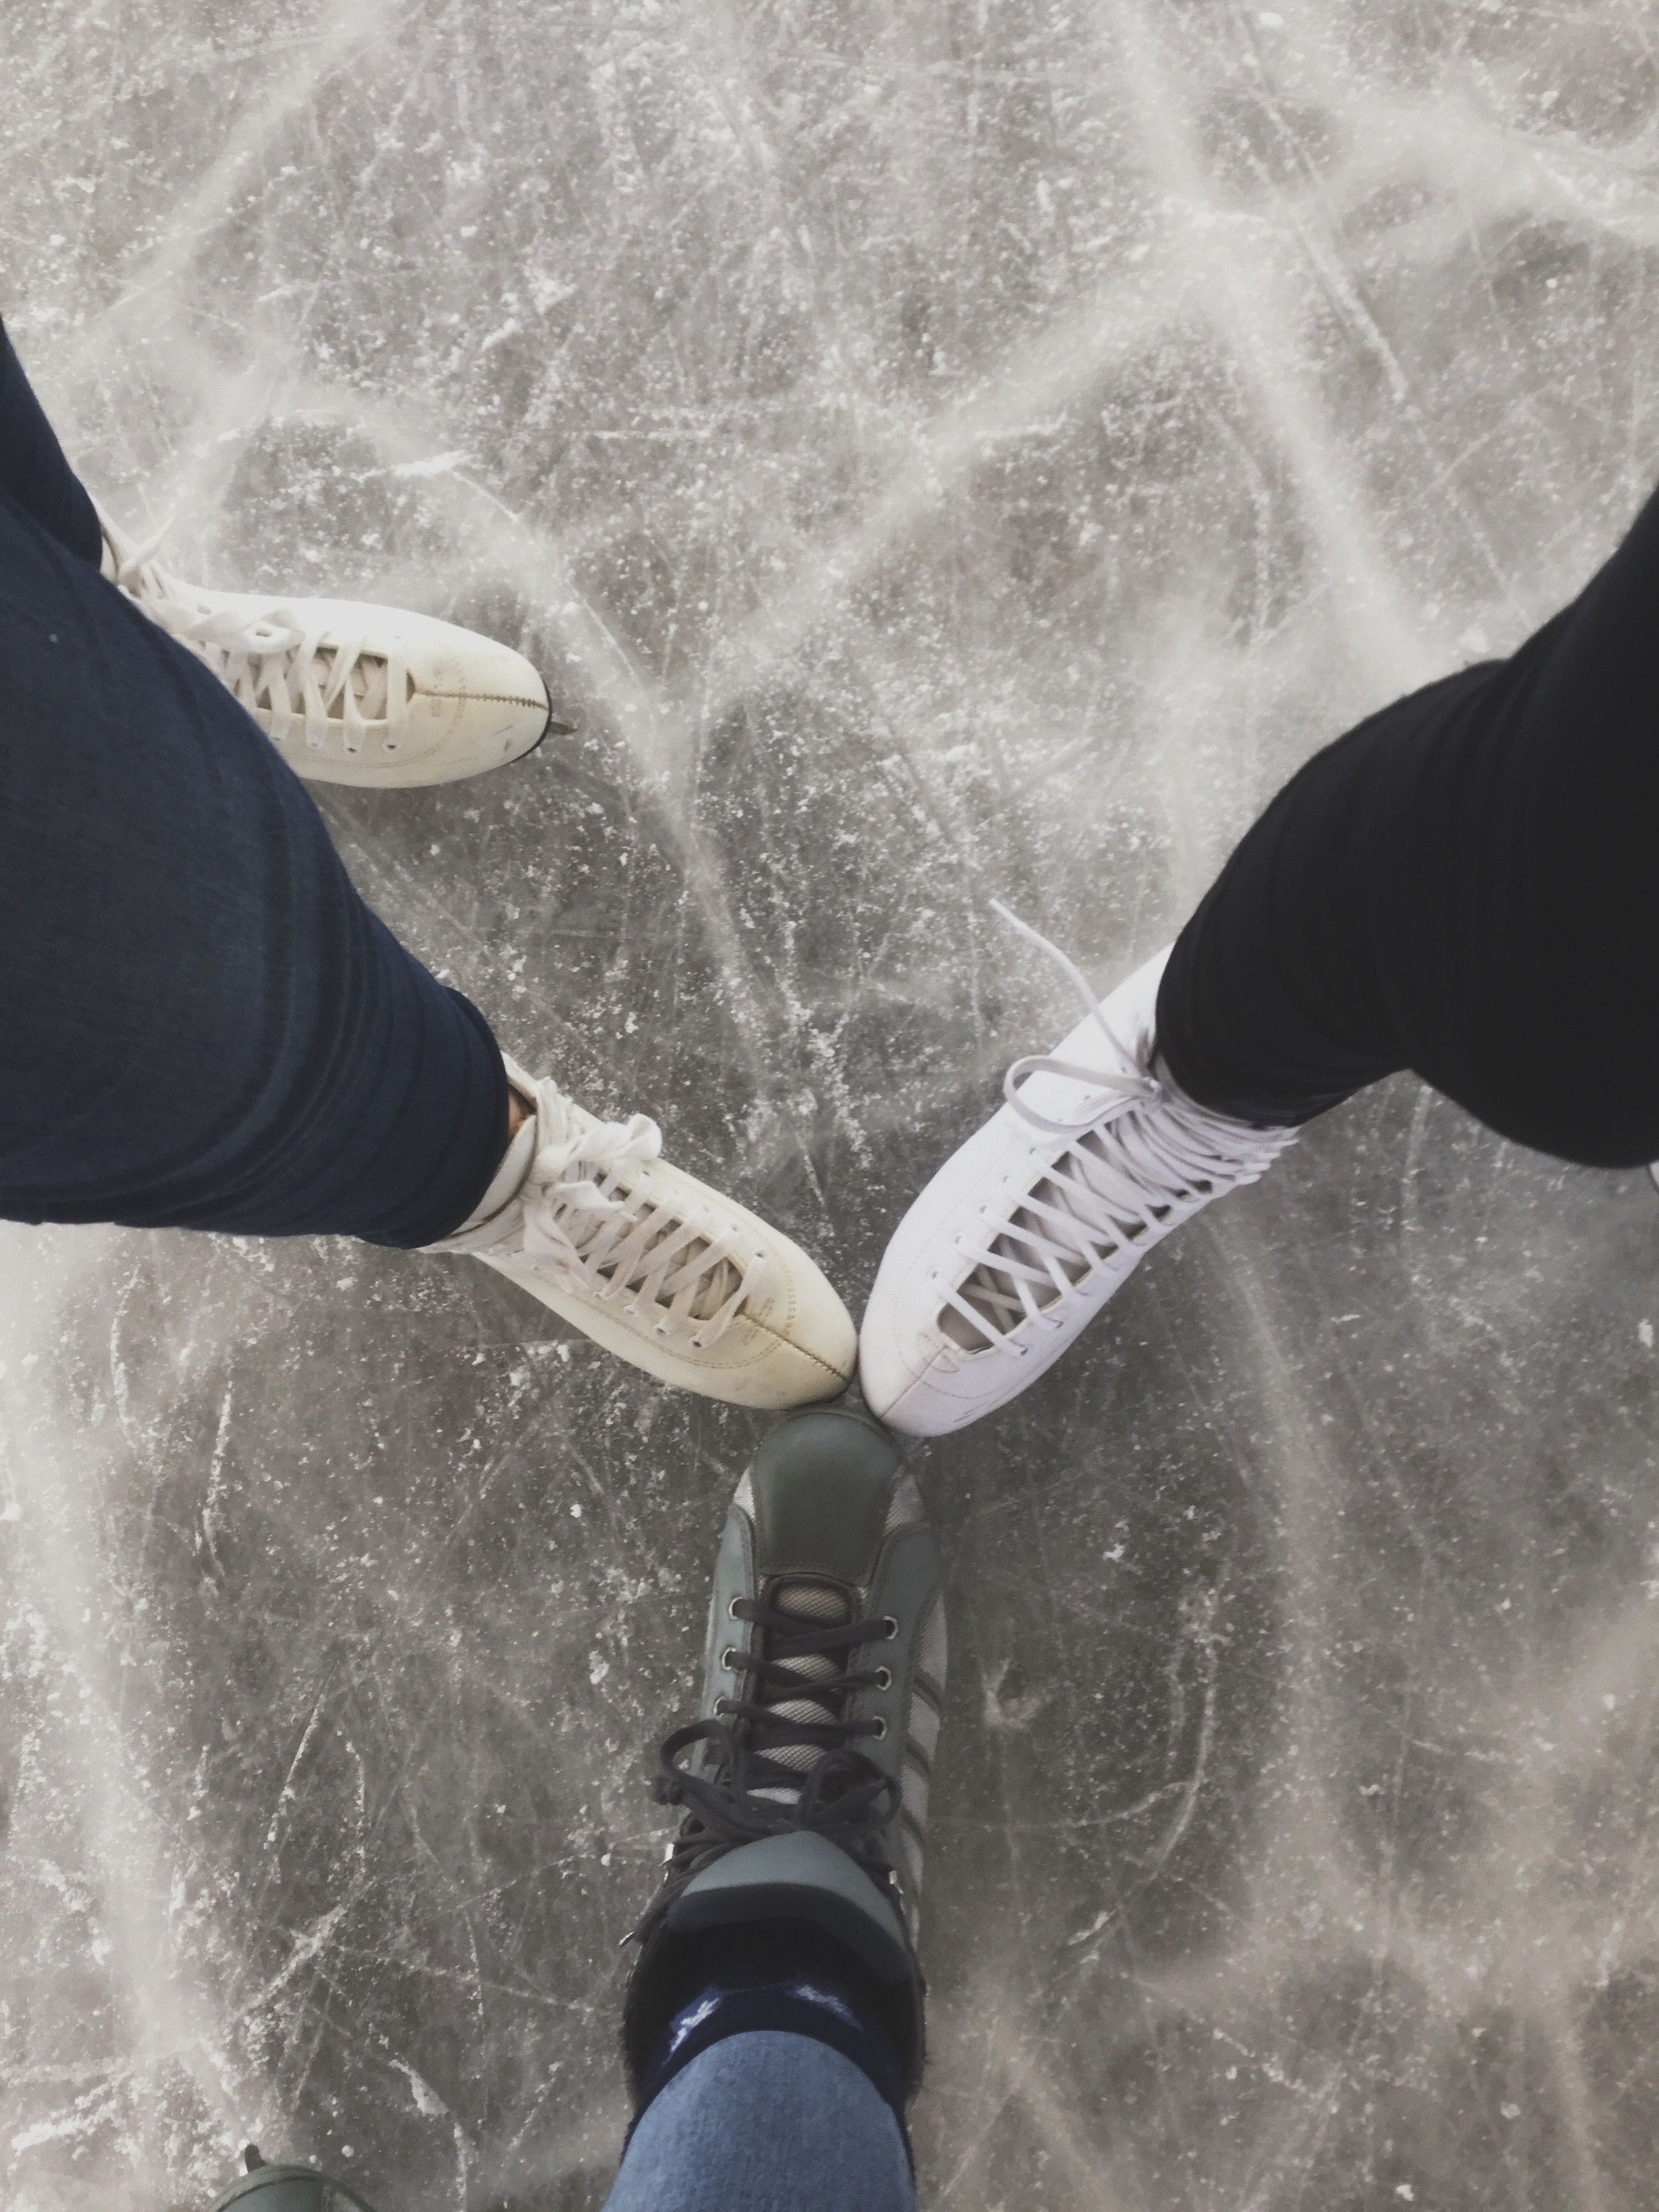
[[765, 2122]]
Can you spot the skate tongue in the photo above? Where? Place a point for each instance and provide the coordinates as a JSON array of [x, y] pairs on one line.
[[815, 1605], [812, 1601]]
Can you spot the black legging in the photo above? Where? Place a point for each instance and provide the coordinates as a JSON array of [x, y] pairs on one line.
[[1468, 885]]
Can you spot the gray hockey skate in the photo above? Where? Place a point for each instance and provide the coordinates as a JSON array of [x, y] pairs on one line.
[[262, 2188], [804, 1781]]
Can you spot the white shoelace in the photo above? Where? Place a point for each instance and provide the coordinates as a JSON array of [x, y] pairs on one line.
[[1137, 1154], [271, 659], [583, 1213]]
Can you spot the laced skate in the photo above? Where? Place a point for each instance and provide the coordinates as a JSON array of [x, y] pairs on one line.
[[347, 692], [1025, 1234], [786, 1752], [589, 1217], [273, 2187], [803, 1786]]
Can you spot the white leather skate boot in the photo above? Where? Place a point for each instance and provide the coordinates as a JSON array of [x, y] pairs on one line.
[[653, 1264], [347, 692], [1027, 1230]]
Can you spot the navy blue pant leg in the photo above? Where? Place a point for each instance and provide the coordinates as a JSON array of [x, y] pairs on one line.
[[32, 468], [201, 1024]]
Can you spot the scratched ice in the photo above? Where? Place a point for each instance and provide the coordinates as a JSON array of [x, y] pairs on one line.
[[943, 452]]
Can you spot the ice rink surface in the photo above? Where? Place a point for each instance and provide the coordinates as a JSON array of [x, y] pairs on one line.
[[941, 450]]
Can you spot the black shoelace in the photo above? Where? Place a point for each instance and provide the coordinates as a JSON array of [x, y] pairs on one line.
[[842, 1795]]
